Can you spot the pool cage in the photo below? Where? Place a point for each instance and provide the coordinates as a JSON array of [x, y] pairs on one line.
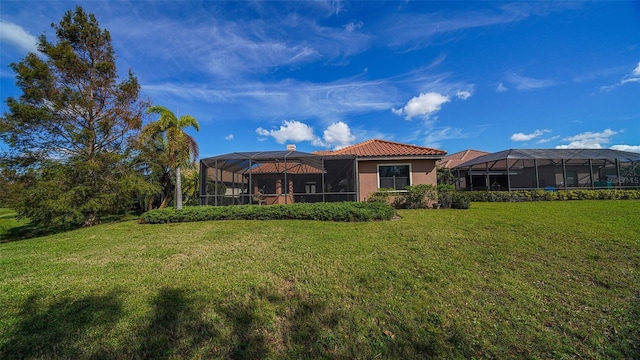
[[550, 169], [277, 177]]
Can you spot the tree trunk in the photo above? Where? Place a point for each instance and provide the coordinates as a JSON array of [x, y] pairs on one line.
[[164, 203], [91, 220], [178, 189]]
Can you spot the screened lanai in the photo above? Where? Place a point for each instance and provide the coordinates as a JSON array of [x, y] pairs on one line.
[[276, 177], [551, 169]]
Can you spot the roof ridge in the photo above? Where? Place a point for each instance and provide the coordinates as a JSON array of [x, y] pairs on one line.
[[383, 141], [354, 145]]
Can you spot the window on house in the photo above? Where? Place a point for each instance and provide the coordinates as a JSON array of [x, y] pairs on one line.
[[394, 177], [572, 178], [310, 187]]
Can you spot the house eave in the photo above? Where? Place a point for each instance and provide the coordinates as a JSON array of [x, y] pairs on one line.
[[399, 158]]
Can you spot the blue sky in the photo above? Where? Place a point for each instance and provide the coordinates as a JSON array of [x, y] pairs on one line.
[[326, 74]]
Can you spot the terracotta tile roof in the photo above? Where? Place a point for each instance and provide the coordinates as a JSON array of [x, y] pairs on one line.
[[278, 168], [383, 148], [453, 160]]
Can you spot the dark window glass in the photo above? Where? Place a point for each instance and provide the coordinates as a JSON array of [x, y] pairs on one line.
[[394, 177]]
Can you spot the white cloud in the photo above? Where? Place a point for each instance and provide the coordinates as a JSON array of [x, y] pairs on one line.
[[434, 138], [262, 132], [418, 30], [463, 94], [229, 137], [526, 137], [634, 76], [396, 111], [632, 148], [353, 26], [290, 131], [526, 83], [544, 141], [338, 135], [588, 140], [423, 105], [501, 88], [16, 35]]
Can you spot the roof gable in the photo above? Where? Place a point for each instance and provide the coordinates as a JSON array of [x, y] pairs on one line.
[[383, 148], [281, 168], [455, 159]]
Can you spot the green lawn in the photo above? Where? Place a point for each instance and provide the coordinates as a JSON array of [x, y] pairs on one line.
[[500, 280], [9, 221]]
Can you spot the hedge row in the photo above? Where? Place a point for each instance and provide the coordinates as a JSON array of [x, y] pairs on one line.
[[542, 195], [342, 211]]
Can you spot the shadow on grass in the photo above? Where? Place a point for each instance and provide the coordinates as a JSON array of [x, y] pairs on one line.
[[28, 231], [31, 230], [265, 323], [176, 328], [237, 328], [60, 330]]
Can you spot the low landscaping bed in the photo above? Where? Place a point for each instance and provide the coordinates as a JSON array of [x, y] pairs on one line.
[[342, 211], [544, 195]]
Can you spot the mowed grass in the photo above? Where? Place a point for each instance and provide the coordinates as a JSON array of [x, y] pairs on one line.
[[9, 221], [500, 280]]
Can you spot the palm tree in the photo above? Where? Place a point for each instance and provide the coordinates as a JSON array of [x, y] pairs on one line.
[[179, 146], [190, 184]]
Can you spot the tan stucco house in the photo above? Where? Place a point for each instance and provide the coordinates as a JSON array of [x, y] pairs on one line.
[[348, 174]]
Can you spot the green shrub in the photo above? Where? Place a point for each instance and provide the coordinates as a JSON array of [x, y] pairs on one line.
[[445, 199], [460, 201], [560, 195], [380, 196], [343, 211], [445, 187], [419, 196], [454, 200]]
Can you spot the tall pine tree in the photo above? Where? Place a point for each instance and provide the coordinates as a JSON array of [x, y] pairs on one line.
[[69, 132]]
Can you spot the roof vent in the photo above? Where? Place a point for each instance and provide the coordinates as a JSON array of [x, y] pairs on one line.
[[291, 147]]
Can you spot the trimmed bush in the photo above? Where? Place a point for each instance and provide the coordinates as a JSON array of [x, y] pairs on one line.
[[418, 196], [343, 211], [380, 196], [542, 195], [453, 200]]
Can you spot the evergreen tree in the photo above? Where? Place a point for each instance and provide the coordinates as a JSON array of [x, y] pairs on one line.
[[69, 132]]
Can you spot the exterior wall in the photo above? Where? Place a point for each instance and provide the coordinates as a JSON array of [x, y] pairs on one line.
[[422, 172]]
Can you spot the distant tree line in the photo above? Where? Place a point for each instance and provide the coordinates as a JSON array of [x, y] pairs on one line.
[[77, 150]]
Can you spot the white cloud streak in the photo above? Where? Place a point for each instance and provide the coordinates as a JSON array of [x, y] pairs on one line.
[[17, 36], [420, 30], [232, 49], [527, 83], [294, 99], [634, 76], [631, 148], [435, 137], [527, 137], [588, 140]]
